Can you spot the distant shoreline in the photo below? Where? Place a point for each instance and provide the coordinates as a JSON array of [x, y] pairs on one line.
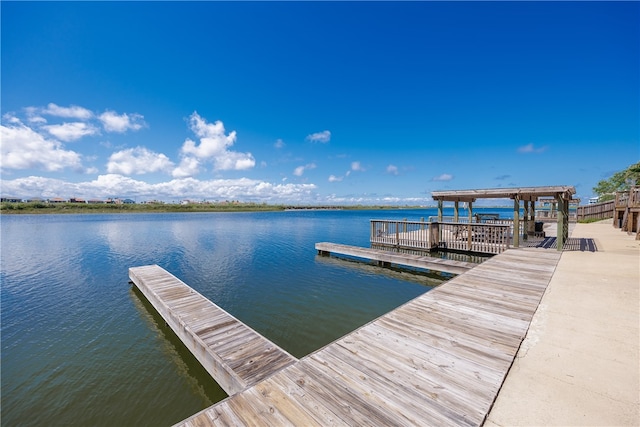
[[15, 208]]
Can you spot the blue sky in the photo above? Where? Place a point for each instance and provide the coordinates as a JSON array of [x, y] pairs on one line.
[[315, 102]]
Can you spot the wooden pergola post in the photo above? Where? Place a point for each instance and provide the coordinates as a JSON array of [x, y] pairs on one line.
[[525, 226], [563, 221], [455, 211], [516, 221], [533, 214], [440, 208]]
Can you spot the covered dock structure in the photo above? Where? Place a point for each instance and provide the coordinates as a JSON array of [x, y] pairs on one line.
[[527, 195]]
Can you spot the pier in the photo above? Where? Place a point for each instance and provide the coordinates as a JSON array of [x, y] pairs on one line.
[[439, 359], [386, 258], [235, 355]]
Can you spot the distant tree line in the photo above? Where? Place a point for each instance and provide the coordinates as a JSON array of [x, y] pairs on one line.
[[619, 181]]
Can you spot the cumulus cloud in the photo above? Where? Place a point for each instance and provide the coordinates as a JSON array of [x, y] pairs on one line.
[[72, 112], [300, 169], [333, 178], [114, 122], [115, 185], [279, 143], [392, 170], [443, 177], [71, 131], [86, 122], [189, 166], [530, 148], [138, 161], [23, 148], [213, 147], [323, 137]]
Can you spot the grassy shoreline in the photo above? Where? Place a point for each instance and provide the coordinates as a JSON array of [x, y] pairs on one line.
[[9, 208]]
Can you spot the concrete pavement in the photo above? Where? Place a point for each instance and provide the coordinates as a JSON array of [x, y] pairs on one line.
[[579, 363]]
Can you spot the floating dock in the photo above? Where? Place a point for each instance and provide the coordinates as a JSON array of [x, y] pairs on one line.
[[439, 359], [235, 355], [387, 258]]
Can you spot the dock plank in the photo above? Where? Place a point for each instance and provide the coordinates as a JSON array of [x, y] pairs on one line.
[[439, 359], [415, 261], [235, 355]]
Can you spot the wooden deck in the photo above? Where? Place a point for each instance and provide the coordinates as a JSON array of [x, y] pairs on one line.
[[439, 359], [235, 355], [386, 257]]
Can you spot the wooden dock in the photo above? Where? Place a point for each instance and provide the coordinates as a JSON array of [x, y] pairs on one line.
[[439, 359], [402, 259], [235, 355]]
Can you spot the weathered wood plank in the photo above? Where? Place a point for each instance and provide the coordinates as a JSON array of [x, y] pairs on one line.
[[439, 359], [416, 261], [235, 355]]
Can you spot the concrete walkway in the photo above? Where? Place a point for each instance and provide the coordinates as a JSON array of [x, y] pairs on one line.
[[579, 363]]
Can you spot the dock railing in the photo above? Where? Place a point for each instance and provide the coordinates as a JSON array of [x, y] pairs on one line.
[[602, 210], [489, 238], [401, 234], [630, 198], [474, 220]]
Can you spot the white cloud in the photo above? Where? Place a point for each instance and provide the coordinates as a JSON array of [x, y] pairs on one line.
[[73, 112], [214, 147], [530, 148], [392, 170], [138, 161], [23, 148], [115, 185], [114, 122], [443, 177], [333, 178], [189, 166], [300, 169], [279, 143], [356, 166], [323, 137], [71, 131]]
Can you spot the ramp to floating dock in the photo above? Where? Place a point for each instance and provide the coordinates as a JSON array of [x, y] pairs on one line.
[[385, 257], [235, 355]]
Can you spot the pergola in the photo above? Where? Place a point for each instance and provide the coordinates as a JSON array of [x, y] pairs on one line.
[[528, 195]]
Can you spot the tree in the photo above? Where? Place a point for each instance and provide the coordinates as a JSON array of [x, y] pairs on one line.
[[619, 181]]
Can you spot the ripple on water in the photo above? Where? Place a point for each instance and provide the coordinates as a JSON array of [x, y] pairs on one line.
[[80, 347]]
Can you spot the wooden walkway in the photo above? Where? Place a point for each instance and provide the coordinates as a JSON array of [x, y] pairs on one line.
[[235, 355], [439, 359], [386, 257]]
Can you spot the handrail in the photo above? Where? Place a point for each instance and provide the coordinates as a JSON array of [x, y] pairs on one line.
[[486, 237], [492, 238], [400, 234], [602, 210]]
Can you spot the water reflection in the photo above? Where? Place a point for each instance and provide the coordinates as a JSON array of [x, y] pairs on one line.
[[78, 347]]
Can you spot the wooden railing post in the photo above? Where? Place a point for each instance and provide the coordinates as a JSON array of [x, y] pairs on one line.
[[434, 235]]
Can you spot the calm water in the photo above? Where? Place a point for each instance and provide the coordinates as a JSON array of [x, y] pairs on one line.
[[80, 347]]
